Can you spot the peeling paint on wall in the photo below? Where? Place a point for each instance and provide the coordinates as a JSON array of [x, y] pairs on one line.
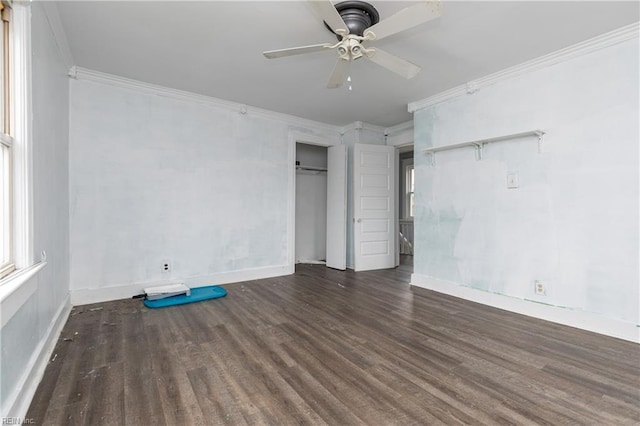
[[573, 221], [155, 178]]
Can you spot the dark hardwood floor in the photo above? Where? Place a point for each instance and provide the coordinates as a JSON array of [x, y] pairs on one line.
[[331, 347]]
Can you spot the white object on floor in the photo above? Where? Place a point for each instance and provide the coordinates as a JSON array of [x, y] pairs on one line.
[[161, 292], [312, 262]]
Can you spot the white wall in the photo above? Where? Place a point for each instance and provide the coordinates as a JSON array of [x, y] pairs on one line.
[[311, 216], [34, 326], [311, 204], [156, 177], [573, 223]]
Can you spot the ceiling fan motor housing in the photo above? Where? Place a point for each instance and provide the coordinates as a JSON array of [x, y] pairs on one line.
[[357, 16]]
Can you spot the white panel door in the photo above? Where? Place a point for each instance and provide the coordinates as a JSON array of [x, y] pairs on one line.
[[337, 207], [373, 207]]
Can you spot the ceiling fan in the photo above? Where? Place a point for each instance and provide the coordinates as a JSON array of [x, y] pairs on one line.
[[358, 22]]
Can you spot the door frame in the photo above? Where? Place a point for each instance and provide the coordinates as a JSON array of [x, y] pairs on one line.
[[399, 148], [294, 138]]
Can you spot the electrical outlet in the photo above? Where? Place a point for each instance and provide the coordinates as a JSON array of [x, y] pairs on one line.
[[512, 181], [166, 266], [539, 288]]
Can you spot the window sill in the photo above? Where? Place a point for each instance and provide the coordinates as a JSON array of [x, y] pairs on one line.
[[16, 289]]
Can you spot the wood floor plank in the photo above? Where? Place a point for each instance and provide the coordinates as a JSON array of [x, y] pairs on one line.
[[105, 405], [216, 401], [332, 347], [48, 387], [142, 399]]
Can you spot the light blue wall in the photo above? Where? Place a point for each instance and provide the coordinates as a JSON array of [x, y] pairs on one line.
[[155, 178], [573, 223]]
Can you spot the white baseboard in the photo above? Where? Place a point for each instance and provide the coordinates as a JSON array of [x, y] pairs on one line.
[[104, 294], [20, 401], [561, 315]]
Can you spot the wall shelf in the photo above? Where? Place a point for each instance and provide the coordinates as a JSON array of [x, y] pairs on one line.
[[479, 144], [311, 169]]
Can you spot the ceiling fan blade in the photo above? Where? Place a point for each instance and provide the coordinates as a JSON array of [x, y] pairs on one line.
[[420, 13], [393, 63], [272, 54], [327, 11], [340, 72]]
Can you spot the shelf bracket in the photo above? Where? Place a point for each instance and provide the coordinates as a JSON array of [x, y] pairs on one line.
[[540, 135], [479, 148], [432, 158]]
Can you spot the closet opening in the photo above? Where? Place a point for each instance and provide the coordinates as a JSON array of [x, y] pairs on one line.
[[311, 204]]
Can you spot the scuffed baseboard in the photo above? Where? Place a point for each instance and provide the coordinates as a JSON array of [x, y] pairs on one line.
[[105, 294], [572, 317], [26, 389]]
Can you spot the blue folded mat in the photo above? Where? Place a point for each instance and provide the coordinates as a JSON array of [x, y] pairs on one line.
[[197, 294]]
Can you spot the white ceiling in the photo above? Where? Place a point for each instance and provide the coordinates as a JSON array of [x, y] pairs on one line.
[[215, 48]]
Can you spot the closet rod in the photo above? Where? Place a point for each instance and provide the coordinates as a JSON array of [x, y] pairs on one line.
[[311, 168]]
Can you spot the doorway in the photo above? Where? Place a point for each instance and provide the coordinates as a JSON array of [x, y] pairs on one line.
[[318, 201], [406, 204], [311, 204]]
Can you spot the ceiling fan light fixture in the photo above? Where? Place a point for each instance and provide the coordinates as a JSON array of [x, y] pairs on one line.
[[354, 22]]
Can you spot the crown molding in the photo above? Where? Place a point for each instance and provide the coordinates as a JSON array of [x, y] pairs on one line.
[[400, 134], [373, 128], [60, 37], [79, 73], [399, 128], [611, 38], [359, 125]]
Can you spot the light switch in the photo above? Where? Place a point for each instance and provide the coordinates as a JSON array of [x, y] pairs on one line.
[[512, 181]]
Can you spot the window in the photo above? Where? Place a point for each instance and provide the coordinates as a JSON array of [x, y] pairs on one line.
[[15, 218], [410, 192], [7, 264], [6, 259]]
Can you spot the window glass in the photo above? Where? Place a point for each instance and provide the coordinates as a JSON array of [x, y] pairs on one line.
[[409, 184]]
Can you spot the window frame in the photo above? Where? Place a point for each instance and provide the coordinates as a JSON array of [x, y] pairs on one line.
[[7, 263], [17, 142], [409, 190]]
